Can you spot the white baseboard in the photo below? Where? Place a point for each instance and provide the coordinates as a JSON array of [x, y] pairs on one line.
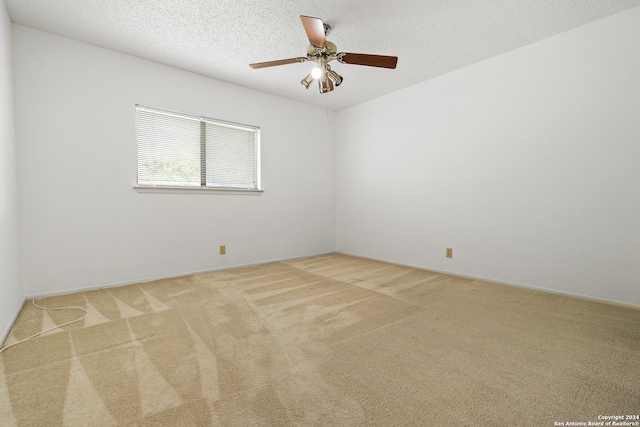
[[501, 282], [169, 276], [7, 329]]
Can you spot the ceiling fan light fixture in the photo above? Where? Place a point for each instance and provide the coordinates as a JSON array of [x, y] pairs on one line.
[[306, 82], [335, 77], [316, 73], [325, 85]]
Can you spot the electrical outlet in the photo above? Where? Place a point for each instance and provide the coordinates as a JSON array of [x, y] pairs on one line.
[[223, 250], [449, 252]]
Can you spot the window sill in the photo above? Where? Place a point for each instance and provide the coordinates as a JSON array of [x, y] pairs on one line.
[[194, 190]]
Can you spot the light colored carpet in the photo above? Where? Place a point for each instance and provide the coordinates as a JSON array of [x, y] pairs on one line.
[[333, 341]]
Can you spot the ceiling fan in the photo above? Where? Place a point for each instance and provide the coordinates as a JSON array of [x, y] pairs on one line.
[[323, 51]]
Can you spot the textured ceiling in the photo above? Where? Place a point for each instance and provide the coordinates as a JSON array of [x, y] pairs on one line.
[[219, 38]]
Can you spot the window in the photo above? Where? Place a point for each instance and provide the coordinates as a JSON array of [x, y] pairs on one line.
[[176, 150]]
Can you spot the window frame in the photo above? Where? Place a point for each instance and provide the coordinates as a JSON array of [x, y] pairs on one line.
[[203, 188]]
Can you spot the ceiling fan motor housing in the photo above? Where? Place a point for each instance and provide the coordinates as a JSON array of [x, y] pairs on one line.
[[329, 52]]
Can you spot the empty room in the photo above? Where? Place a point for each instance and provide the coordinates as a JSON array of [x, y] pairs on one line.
[[339, 213]]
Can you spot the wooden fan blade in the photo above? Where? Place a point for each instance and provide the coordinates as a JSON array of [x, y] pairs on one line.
[[369, 60], [278, 62], [315, 30]]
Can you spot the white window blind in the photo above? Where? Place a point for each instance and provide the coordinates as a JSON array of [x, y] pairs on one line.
[[177, 150]]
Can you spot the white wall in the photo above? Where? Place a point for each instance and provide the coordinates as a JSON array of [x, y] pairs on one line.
[[527, 165], [83, 223], [11, 292]]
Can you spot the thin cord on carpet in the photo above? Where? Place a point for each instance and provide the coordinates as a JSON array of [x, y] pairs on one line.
[[86, 313]]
